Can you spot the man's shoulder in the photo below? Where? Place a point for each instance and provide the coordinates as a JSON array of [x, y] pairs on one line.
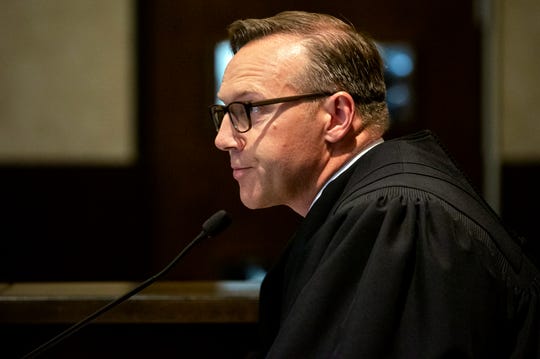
[[416, 161]]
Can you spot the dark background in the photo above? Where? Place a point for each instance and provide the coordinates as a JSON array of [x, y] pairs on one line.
[[127, 222]]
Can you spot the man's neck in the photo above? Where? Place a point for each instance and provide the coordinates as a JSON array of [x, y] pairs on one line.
[[344, 168]]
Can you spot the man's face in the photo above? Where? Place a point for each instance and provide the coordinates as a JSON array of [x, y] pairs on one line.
[[279, 160]]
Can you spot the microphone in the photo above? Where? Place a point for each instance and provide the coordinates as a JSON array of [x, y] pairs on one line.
[[210, 228]]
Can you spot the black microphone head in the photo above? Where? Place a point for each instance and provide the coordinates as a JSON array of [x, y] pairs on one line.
[[216, 223]]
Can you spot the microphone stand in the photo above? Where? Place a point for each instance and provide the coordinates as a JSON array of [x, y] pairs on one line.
[[212, 226]]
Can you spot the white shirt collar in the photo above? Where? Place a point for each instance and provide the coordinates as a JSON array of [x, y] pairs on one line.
[[345, 167]]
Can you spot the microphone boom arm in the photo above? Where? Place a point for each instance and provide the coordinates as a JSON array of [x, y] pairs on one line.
[[215, 224]]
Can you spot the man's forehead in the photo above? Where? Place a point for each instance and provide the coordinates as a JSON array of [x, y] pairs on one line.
[[262, 63]]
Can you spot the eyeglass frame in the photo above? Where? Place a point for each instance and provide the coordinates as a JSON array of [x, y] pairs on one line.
[[249, 105]]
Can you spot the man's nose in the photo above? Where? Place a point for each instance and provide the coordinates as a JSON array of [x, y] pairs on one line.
[[227, 137]]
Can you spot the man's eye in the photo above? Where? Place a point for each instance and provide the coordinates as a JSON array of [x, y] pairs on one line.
[[255, 109]]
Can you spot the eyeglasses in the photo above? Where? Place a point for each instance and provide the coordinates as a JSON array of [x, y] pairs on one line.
[[240, 112]]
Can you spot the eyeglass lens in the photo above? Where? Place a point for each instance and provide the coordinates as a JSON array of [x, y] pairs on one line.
[[239, 116], [237, 113]]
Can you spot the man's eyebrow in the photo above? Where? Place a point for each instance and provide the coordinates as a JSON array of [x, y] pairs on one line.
[[243, 96]]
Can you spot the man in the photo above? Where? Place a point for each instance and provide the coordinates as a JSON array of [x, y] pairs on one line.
[[397, 256]]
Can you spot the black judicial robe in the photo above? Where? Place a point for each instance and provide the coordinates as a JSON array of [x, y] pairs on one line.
[[401, 258]]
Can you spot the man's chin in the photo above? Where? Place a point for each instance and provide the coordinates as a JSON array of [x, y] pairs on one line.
[[254, 203]]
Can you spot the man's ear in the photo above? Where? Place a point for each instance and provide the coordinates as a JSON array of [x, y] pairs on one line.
[[341, 111]]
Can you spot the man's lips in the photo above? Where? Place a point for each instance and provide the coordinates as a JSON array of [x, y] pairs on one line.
[[239, 172]]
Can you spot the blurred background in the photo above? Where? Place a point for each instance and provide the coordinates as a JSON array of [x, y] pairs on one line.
[[107, 162]]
